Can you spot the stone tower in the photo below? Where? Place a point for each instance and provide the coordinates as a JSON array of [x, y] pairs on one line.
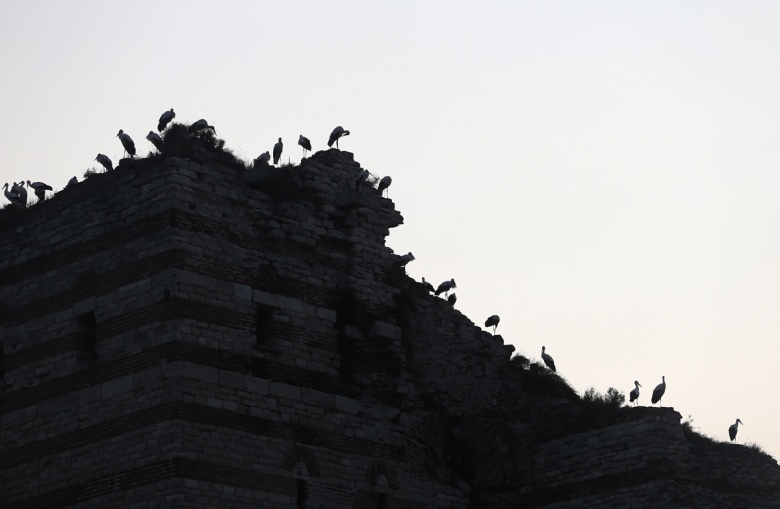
[[179, 333], [185, 333]]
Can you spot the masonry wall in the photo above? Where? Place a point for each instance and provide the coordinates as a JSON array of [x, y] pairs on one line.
[[186, 398], [184, 333]]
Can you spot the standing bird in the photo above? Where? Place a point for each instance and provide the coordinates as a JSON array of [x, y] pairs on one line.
[[408, 257], [155, 139], [40, 189], [337, 133], [492, 321], [548, 360], [12, 196], [105, 161], [384, 184], [21, 191], [633, 396], [304, 142], [733, 430], [428, 286], [278, 151], [199, 126], [451, 299], [659, 391], [127, 142], [165, 118], [445, 287], [361, 179]]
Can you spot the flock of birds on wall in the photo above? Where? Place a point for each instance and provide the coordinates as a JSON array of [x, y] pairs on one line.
[[17, 194], [493, 320]]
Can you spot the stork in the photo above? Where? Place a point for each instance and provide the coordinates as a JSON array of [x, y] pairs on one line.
[[429, 287], [445, 287], [658, 392], [105, 161], [12, 196], [262, 159], [337, 133], [633, 396], [199, 126], [408, 257], [278, 151], [165, 118], [492, 321], [127, 142], [733, 430], [304, 142], [384, 184], [155, 139], [21, 191], [548, 360], [40, 189], [364, 174], [451, 299]]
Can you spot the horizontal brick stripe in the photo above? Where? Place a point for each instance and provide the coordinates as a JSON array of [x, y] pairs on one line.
[[170, 352], [92, 246], [190, 413], [61, 345], [85, 490], [168, 309]]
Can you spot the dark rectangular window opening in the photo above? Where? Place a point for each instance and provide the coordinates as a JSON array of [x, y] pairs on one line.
[[302, 495], [86, 328], [381, 501], [263, 318]]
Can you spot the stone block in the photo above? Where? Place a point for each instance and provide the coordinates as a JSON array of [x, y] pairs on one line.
[[84, 306], [326, 314], [232, 379], [282, 390], [266, 299], [383, 331], [141, 286], [116, 386], [206, 374], [291, 304], [147, 377], [243, 291], [353, 332], [64, 316], [348, 405]]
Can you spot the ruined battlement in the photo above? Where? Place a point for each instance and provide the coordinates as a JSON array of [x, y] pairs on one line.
[[184, 332]]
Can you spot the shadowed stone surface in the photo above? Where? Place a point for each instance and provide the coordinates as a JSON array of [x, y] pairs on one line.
[[186, 333]]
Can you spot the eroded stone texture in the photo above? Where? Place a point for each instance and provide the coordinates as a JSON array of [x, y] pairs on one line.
[[186, 333]]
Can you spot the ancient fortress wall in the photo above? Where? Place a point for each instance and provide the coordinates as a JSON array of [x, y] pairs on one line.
[[180, 333]]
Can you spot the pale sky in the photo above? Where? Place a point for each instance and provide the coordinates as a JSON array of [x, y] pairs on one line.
[[602, 175]]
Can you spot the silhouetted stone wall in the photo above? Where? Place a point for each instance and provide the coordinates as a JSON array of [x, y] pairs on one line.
[[186, 333]]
